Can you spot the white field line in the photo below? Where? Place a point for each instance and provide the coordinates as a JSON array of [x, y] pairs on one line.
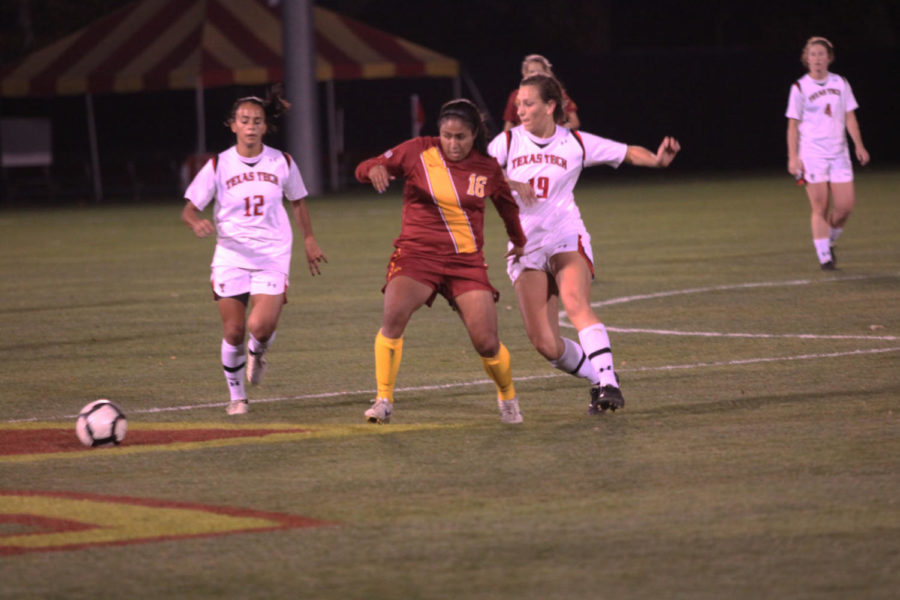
[[719, 288], [564, 321], [802, 336], [462, 384]]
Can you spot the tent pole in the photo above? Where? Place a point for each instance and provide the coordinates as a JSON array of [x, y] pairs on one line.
[[201, 116], [95, 155], [332, 135], [302, 130], [475, 93]]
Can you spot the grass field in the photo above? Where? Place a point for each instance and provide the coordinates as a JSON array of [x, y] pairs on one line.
[[757, 455]]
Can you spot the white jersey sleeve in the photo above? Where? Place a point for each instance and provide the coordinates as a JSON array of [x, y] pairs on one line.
[[202, 189], [499, 148], [795, 102], [294, 188], [849, 98], [601, 151]]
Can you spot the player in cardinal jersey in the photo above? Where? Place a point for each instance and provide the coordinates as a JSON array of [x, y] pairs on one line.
[[439, 249], [821, 106], [543, 161], [247, 185]]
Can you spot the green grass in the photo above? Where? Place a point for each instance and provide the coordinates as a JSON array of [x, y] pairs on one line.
[[741, 467]]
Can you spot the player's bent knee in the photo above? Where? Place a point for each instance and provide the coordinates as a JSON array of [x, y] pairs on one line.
[[235, 337], [486, 347], [546, 346]]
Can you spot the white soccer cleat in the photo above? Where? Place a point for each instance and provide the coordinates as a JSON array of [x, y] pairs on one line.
[[380, 412], [256, 367], [238, 407], [509, 411]]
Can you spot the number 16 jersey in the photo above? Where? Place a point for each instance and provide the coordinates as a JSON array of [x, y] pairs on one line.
[[552, 167], [253, 228]]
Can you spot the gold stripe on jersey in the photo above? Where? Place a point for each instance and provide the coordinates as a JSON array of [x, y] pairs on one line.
[[447, 200]]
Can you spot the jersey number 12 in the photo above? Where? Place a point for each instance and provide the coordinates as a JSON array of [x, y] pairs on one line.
[[253, 208]]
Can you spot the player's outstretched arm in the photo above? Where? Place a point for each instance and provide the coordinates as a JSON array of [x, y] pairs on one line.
[[641, 157]]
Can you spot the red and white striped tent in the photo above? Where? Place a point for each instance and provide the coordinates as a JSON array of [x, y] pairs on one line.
[[156, 45], [177, 44]]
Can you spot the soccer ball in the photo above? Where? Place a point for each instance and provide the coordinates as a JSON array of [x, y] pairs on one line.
[[101, 423]]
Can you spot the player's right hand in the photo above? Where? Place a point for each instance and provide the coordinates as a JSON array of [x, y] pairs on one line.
[[203, 228], [516, 252], [380, 178], [525, 192], [795, 167]]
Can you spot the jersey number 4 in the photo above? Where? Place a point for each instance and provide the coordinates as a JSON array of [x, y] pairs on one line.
[[253, 206]]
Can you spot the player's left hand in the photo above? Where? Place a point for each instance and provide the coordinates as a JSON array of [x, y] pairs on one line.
[[314, 256], [524, 190], [862, 155], [516, 252], [667, 151], [380, 178]]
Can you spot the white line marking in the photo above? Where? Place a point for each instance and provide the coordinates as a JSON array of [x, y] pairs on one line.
[[748, 361], [735, 286], [564, 321], [802, 336], [445, 386]]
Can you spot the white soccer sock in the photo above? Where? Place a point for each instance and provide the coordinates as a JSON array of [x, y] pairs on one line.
[[596, 345], [823, 250], [234, 365], [835, 234], [575, 362], [257, 347]]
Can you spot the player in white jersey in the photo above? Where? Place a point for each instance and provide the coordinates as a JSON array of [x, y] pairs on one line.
[[247, 185], [543, 161], [821, 107]]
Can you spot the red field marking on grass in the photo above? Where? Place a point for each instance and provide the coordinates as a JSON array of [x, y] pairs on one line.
[[41, 441], [53, 521]]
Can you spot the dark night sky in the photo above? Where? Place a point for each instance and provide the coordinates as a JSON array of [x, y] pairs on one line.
[[472, 29]]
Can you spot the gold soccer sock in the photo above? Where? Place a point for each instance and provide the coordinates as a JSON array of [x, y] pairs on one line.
[[498, 368], [388, 353]]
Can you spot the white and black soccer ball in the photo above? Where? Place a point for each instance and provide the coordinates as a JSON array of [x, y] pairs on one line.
[[101, 423]]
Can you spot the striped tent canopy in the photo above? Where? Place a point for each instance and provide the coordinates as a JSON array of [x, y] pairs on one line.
[[153, 45]]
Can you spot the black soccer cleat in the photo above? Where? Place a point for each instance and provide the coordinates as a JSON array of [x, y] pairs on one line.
[[603, 398], [833, 257], [828, 266]]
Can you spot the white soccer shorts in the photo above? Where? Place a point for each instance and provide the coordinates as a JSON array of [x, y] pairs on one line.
[[233, 281], [539, 259], [836, 169]]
